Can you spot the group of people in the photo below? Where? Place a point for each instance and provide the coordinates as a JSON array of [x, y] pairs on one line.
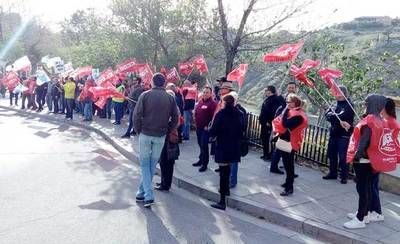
[[162, 117], [360, 145]]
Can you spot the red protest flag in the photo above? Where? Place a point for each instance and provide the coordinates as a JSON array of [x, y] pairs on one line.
[[310, 64], [101, 102], [333, 73], [238, 74], [328, 76], [107, 75], [82, 71], [11, 80], [287, 52], [185, 68], [144, 72], [126, 66], [301, 75], [172, 75], [163, 71], [200, 63]]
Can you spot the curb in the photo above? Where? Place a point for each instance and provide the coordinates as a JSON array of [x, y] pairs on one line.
[[299, 224]]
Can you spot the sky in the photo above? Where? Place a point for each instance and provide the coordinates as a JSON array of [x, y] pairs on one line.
[[320, 14]]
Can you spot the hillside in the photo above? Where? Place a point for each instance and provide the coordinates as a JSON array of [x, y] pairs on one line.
[[375, 40]]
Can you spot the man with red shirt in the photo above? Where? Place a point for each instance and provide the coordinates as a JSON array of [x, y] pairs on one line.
[[204, 113]]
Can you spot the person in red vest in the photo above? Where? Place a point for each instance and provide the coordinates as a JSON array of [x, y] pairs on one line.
[[290, 127], [372, 149], [189, 92], [375, 211], [31, 92]]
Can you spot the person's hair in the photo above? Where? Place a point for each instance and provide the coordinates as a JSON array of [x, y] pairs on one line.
[[298, 102], [139, 80], [208, 87], [229, 100], [272, 89], [292, 83], [390, 107]]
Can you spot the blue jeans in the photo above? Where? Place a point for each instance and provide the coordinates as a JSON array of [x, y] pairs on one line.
[[337, 150], [187, 117], [119, 111], [87, 110], [375, 200], [150, 148], [202, 141], [234, 172]]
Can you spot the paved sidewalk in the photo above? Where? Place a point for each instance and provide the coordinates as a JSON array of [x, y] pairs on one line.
[[317, 208]]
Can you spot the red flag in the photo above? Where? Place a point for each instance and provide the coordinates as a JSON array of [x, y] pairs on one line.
[[126, 66], [172, 75], [82, 71], [99, 92], [309, 64], [238, 74], [287, 52], [200, 63], [328, 76], [101, 102], [11, 80], [300, 75], [144, 72], [186, 68], [163, 71], [22, 64], [107, 75]]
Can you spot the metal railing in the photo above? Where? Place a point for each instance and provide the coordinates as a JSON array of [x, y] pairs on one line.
[[314, 146]]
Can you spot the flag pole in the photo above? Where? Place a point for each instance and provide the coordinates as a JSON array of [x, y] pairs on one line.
[[347, 100]]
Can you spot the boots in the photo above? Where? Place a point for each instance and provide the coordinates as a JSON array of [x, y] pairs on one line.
[[221, 204]]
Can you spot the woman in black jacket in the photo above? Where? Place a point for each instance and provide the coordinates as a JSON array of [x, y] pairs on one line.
[[227, 129]]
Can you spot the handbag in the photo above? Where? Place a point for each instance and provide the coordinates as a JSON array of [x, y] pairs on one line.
[[172, 151], [283, 145]]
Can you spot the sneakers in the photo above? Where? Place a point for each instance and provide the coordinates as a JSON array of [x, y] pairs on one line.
[[375, 217], [148, 203], [354, 224], [139, 199], [354, 215]]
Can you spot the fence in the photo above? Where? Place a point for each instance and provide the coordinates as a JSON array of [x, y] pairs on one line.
[[314, 146]]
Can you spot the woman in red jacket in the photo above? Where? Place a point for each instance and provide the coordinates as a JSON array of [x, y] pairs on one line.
[[290, 127]]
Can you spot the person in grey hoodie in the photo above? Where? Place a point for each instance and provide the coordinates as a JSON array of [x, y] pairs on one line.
[[155, 115], [362, 165]]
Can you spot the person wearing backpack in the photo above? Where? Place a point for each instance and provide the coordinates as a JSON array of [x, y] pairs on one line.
[[372, 149]]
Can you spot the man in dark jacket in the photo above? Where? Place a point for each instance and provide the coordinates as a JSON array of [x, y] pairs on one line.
[[180, 104], [339, 137], [154, 116], [134, 95], [271, 103], [204, 113]]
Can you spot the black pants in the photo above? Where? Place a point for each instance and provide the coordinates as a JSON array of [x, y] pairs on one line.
[[288, 163], [202, 141], [337, 150], [31, 101], [55, 104], [265, 140], [364, 188], [41, 99], [70, 108], [167, 168], [375, 199], [224, 175], [13, 95]]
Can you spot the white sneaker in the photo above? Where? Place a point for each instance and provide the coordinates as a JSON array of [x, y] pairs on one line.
[[375, 217], [354, 224], [354, 215]]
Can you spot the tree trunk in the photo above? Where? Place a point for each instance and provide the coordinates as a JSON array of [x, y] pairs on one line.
[[230, 57]]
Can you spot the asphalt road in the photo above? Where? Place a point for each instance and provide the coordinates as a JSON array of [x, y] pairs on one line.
[[60, 184]]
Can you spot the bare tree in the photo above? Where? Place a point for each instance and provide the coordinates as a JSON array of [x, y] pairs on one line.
[[240, 39]]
